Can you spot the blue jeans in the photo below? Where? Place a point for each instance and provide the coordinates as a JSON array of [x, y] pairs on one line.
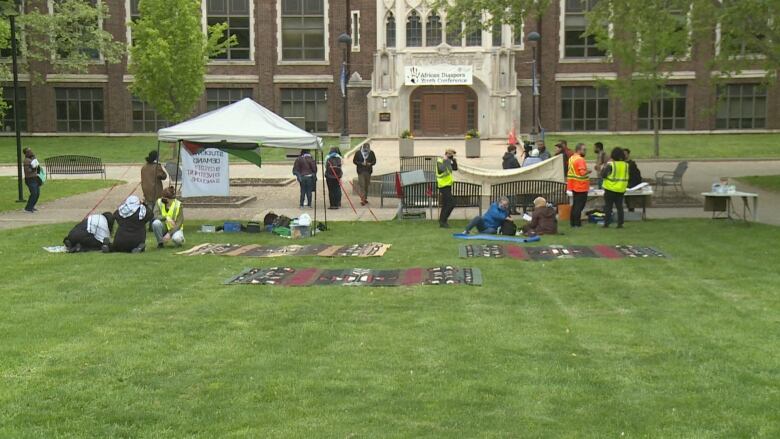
[[308, 184], [35, 192], [479, 223]]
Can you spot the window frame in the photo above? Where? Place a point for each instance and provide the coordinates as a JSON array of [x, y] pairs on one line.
[[158, 123], [221, 102], [222, 61], [319, 123], [562, 37], [79, 101], [681, 99], [394, 27], [326, 38], [739, 103], [100, 59], [601, 97], [8, 119], [354, 28]]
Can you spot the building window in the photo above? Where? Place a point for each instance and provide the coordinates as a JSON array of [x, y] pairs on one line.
[[577, 45], [307, 108], [413, 30], [517, 37], [303, 30], [584, 108], [672, 110], [85, 27], [496, 31], [390, 31], [474, 38], [79, 110], [471, 114], [236, 14], [454, 34], [8, 118], [433, 30], [741, 106], [145, 118], [416, 115], [5, 52], [220, 97], [355, 28]]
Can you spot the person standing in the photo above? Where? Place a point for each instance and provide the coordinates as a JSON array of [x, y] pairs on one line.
[[305, 170], [364, 160], [168, 223], [31, 179], [601, 160], [634, 174], [543, 153], [532, 159], [509, 161], [152, 176], [615, 175], [562, 148], [333, 174], [578, 183], [131, 219], [444, 180]]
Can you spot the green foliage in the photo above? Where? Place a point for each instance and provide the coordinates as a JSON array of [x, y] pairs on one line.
[[52, 190], [70, 38], [482, 14], [170, 53], [766, 182]]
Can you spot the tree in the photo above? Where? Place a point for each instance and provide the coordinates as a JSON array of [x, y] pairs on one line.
[[749, 36], [483, 14], [643, 37], [170, 53]]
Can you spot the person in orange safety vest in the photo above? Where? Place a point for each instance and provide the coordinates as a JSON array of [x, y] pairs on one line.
[[578, 182]]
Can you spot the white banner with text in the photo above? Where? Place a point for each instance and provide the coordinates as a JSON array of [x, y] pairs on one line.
[[440, 74], [205, 173]]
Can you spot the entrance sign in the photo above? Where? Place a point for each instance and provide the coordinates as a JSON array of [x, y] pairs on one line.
[[205, 173], [440, 74]]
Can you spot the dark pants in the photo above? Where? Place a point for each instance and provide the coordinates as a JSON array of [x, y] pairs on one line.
[[613, 199], [447, 204], [87, 240], [577, 206], [308, 184], [334, 192], [35, 192], [364, 183], [479, 223]]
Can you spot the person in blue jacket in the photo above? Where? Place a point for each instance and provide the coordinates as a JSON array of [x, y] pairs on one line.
[[491, 221]]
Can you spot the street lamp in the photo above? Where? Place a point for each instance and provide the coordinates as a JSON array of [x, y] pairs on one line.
[[10, 9], [346, 41], [534, 37]]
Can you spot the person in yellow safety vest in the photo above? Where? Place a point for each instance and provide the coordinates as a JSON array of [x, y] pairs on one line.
[[168, 224], [444, 167], [578, 182], [615, 175]]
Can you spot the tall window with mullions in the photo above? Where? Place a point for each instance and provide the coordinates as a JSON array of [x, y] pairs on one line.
[[584, 108], [741, 106], [307, 108], [79, 110], [236, 14], [414, 30], [8, 118], [390, 30], [220, 97], [433, 30], [145, 118], [303, 30], [673, 114], [576, 43]]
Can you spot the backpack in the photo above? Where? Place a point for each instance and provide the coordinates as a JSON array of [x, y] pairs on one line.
[[282, 221], [269, 218], [508, 228]]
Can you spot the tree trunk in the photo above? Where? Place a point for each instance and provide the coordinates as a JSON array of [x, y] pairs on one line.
[[656, 115]]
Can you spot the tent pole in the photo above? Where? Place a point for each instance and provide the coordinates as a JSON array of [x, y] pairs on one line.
[[156, 195], [324, 188], [178, 157]]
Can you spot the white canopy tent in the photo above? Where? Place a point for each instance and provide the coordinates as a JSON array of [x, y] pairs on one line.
[[242, 127]]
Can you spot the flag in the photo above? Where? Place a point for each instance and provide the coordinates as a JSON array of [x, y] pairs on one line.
[[512, 137], [534, 82], [343, 80]]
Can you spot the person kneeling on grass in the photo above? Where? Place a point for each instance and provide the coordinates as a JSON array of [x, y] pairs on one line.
[[168, 224], [543, 221], [493, 218], [93, 233], [131, 218]]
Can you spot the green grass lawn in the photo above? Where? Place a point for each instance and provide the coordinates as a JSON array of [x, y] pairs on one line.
[[677, 146], [117, 149], [766, 182], [153, 345], [51, 190]]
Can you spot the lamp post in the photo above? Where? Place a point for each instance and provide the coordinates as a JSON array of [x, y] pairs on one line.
[[346, 41], [11, 9], [534, 38]]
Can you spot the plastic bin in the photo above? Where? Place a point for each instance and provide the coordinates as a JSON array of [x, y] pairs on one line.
[[564, 212], [231, 227]]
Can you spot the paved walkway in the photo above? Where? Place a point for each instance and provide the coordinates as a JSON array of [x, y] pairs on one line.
[[283, 200]]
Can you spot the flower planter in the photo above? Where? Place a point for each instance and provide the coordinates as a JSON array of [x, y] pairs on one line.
[[406, 147], [473, 147]]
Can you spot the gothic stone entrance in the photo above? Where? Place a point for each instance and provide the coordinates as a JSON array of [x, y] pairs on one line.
[[443, 110]]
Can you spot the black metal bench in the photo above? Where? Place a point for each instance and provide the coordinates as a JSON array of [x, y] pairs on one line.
[[426, 195], [522, 193], [73, 165]]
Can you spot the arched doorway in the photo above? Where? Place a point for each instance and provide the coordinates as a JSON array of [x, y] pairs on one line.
[[442, 110]]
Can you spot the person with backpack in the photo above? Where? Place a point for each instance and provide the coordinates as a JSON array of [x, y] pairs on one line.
[[492, 220], [31, 178], [333, 174], [305, 170]]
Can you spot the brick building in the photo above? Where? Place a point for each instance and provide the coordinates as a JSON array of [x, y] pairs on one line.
[[407, 73]]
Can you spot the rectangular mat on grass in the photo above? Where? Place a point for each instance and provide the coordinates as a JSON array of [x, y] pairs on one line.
[[288, 276], [373, 249], [549, 252]]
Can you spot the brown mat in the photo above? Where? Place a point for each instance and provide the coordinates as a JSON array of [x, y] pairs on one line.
[[373, 249]]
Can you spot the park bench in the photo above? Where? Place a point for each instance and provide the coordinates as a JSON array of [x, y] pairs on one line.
[[426, 163], [426, 195], [73, 165], [522, 193], [671, 178]]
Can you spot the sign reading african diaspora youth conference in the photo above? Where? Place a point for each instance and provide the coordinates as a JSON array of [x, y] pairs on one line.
[[205, 173], [440, 74]]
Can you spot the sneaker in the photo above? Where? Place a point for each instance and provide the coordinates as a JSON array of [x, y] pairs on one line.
[[465, 232], [106, 247], [29, 211], [140, 249]]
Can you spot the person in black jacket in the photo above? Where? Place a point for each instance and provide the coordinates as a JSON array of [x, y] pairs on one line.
[[92, 233], [131, 219], [333, 174], [364, 160], [305, 170], [509, 161], [634, 177]]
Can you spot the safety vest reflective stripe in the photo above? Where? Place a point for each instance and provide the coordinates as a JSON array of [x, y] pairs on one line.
[[617, 180], [572, 173], [443, 179], [171, 213]]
